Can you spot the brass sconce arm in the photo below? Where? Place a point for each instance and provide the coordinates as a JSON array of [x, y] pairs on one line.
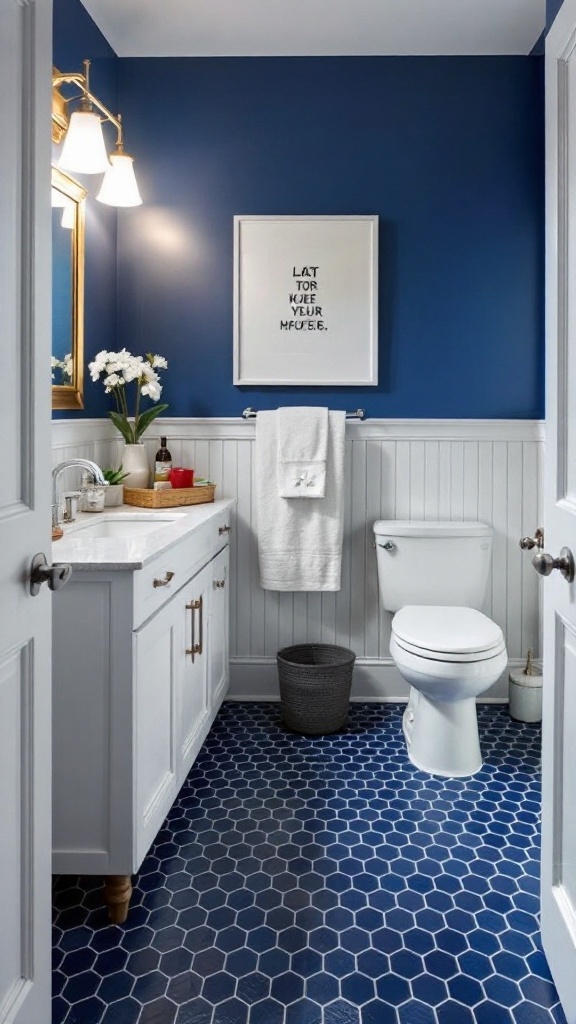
[[84, 149], [59, 103]]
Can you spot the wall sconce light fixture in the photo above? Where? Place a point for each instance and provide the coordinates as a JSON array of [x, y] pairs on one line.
[[62, 202], [84, 150]]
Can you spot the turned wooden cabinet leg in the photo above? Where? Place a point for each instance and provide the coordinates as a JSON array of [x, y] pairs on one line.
[[117, 893]]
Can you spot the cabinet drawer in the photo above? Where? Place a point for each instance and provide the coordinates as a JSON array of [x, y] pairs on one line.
[[157, 582]]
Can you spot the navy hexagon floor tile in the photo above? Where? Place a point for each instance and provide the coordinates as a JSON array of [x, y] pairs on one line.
[[324, 880]]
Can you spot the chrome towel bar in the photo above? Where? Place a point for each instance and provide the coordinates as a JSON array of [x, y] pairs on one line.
[[357, 414]]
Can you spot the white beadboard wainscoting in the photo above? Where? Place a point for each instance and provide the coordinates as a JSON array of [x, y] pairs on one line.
[[395, 469]]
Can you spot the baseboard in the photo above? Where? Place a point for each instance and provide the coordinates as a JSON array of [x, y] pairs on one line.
[[374, 680]]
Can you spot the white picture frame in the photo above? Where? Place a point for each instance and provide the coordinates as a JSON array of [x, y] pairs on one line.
[[319, 272]]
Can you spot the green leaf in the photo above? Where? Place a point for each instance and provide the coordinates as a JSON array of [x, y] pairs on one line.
[[114, 476], [121, 423], [146, 418]]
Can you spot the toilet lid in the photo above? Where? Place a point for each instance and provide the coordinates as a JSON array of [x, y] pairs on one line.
[[448, 631]]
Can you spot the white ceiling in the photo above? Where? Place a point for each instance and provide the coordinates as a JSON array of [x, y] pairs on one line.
[[241, 28]]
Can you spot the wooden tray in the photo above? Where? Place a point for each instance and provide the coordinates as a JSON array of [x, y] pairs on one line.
[[147, 497]]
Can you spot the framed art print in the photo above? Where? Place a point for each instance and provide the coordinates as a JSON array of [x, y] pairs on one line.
[[306, 300]]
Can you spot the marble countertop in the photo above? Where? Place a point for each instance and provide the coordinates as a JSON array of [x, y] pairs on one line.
[[133, 552]]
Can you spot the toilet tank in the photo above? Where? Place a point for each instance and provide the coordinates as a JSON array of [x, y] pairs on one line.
[[441, 563]]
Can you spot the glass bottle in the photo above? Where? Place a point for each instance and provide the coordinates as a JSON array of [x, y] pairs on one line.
[[163, 462]]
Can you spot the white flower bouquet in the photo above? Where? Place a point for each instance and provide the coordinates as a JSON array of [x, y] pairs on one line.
[[65, 366], [118, 370]]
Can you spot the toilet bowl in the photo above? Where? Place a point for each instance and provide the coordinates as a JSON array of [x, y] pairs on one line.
[[449, 655], [433, 576]]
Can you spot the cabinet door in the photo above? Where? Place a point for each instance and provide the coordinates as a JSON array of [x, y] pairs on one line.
[[158, 656], [193, 678], [218, 671]]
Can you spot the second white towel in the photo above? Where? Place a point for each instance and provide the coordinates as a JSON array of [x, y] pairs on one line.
[[302, 451]]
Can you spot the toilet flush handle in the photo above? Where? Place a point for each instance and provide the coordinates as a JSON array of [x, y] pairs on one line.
[[389, 545]]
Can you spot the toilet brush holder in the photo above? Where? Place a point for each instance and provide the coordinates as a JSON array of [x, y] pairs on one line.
[[525, 692]]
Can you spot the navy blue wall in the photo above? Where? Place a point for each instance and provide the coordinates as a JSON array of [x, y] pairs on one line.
[[552, 8], [75, 37], [447, 151]]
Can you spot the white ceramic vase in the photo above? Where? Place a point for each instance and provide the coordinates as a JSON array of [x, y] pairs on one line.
[[135, 464]]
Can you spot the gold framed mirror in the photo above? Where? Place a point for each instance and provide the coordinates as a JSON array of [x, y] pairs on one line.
[[68, 225]]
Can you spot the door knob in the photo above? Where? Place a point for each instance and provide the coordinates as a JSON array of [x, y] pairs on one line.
[[56, 576], [544, 564], [537, 541]]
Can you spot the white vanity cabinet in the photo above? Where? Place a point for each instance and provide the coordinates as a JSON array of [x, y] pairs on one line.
[[140, 670]]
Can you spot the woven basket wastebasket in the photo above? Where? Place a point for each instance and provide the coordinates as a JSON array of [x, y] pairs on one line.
[[315, 682]]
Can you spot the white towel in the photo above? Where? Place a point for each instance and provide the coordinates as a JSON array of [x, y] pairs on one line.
[[302, 451], [299, 542]]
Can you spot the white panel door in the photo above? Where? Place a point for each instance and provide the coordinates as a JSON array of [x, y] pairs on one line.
[[25, 646], [559, 717]]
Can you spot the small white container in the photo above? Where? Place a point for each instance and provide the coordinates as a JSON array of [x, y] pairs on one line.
[[113, 495], [525, 695], [92, 499]]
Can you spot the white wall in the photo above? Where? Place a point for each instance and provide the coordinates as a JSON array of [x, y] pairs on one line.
[[404, 469]]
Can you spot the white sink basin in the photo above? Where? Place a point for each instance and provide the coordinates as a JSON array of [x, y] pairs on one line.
[[121, 526]]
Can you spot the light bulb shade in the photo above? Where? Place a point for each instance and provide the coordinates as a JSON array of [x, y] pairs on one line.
[[58, 198], [68, 216], [84, 150], [119, 186]]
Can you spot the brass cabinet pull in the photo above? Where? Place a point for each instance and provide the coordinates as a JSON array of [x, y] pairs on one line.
[[224, 529], [196, 648], [163, 583]]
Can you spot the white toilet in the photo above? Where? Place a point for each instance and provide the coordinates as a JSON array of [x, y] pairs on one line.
[[433, 575]]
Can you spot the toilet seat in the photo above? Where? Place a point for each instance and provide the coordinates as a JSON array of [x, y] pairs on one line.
[[446, 658], [447, 634]]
